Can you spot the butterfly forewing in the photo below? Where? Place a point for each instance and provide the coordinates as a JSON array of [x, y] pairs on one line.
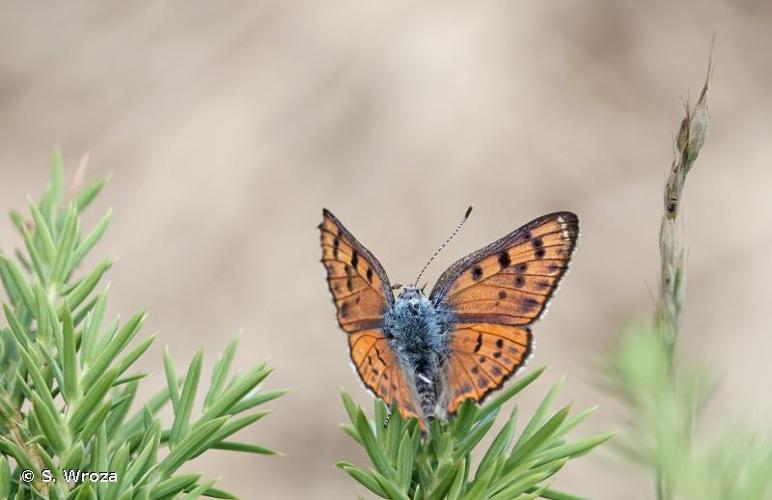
[[356, 279], [362, 294], [494, 294]]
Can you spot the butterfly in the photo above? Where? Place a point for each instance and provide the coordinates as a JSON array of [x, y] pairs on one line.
[[427, 355]]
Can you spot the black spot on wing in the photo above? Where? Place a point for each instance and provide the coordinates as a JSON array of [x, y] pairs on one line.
[[477, 273], [349, 283], [504, 260], [380, 358], [529, 304]]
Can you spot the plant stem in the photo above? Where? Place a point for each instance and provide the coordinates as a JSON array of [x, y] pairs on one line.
[[672, 284], [32, 454], [662, 493]]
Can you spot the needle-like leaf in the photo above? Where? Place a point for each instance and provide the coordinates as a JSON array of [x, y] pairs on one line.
[[66, 382], [435, 463]]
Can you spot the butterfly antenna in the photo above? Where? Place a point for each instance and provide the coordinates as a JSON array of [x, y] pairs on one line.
[[437, 252]]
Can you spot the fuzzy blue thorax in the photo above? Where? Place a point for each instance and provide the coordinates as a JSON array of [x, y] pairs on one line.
[[418, 334]]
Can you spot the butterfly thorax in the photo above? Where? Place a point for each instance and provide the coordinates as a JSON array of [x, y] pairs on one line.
[[418, 333]]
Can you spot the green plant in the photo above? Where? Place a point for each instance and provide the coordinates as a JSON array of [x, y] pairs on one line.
[[664, 392], [409, 464], [67, 389], [664, 400]]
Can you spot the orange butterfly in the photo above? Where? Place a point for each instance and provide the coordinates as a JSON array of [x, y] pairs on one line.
[[429, 354]]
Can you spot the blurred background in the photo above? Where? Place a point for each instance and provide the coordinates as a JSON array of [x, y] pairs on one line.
[[227, 126]]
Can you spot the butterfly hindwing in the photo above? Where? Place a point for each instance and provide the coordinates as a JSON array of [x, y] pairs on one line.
[[362, 294], [380, 371], [484, 356], [495, 293]]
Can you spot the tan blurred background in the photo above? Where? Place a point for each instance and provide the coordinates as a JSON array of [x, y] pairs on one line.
[[226, 126]]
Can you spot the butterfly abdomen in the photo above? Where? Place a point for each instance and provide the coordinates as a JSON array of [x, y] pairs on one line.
[[417, 333]]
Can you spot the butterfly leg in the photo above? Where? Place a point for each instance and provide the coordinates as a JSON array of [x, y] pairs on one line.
[[389, 411]]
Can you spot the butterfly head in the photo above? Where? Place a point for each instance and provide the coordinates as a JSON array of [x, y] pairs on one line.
[[413, 301]]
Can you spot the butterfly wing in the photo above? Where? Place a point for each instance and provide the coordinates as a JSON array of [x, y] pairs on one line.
[[380, 371], [362, 294], [496, 293]]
